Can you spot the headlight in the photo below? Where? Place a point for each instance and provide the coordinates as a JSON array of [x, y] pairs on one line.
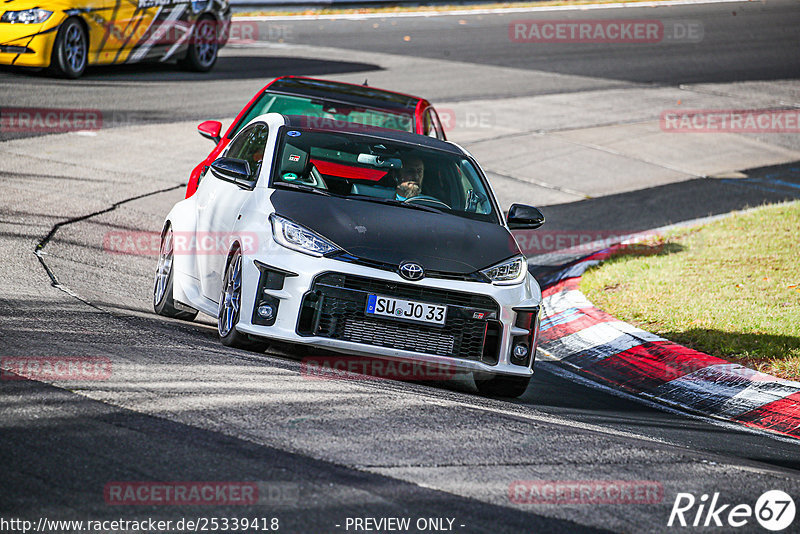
[[292, 235], [509, 272], [27, 16]]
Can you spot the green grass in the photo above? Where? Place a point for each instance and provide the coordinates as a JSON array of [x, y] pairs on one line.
[[730, 288]]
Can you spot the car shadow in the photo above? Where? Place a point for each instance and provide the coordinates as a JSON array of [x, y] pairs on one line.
[[239, 67], [68, 449], [653, 207]]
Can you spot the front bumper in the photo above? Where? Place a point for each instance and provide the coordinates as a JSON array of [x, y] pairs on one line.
[[28, 45], [320, 302]]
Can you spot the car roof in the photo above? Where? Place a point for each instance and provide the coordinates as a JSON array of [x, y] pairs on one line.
[[362, 95], [299, 121]]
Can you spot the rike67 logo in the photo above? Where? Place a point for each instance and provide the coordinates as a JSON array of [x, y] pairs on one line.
[[774, 510]]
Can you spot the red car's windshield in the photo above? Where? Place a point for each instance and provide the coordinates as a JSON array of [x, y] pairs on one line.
[[328, 114]]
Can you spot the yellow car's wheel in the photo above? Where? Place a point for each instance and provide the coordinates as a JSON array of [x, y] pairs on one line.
[[203, 46], [71, 50]]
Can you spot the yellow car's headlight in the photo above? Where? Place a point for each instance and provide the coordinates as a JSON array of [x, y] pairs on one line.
[[26, 16]]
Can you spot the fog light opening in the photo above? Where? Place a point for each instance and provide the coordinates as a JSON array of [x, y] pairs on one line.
[[266, 311], [519, 355]]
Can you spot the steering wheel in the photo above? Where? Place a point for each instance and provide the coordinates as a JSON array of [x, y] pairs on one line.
[[426, 198]]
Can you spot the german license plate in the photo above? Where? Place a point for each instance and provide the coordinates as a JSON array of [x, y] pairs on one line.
[[407, 310]]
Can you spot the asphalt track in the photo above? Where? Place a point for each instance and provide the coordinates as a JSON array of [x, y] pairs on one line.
[[740, 42], [180, 407]]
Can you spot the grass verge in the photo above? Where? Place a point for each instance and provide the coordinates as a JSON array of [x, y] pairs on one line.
[[730, 288]]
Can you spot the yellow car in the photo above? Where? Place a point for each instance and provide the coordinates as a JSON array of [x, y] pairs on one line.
[[68, 35]]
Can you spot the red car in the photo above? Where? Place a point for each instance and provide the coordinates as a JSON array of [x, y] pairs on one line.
[[325, 103]]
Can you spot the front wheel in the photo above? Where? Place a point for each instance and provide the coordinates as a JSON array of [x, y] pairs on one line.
[[230, 307], [70, 50], [203, 47], [503, 385]]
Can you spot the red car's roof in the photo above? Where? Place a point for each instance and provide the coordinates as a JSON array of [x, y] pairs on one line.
[[363, 95]]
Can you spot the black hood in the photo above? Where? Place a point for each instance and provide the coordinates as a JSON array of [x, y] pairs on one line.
[[394, 234]]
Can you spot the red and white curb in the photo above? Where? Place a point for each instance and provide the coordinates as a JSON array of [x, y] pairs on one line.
[[606, 350]]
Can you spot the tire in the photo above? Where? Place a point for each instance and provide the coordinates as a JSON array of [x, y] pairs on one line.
[[503, 386], [230, 307], [70, 50], [163, 302], [203, 46]]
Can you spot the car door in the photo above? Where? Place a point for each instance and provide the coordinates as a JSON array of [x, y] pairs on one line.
[[128, 24], [148, 29], [218, 206]]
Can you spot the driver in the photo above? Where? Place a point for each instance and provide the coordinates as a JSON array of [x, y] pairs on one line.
[[409, 178]]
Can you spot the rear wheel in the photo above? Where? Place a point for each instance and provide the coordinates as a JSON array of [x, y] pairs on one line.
[[163, 302], [203, 46], [230, 307], [503, 386], [70, 50]]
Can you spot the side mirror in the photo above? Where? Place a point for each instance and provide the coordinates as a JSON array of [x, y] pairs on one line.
[[521, 217], [235, 171], [210, 130]]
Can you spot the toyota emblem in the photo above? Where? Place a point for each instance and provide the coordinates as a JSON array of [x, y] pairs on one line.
[[411, 271]]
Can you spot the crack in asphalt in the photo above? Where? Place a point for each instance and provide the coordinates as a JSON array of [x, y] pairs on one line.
[[40, 246]]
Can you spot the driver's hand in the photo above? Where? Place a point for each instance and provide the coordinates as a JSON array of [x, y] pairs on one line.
[[408, 189]]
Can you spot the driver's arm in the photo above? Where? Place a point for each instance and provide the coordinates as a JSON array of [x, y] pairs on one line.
[[407, 190]]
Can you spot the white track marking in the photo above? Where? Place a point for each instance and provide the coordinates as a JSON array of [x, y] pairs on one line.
[[490, 11]]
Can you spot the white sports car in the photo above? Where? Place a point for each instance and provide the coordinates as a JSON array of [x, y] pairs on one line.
[[367, 242]]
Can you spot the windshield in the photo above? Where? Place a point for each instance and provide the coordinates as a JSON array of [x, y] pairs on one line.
[[327, 114], [367, 169]]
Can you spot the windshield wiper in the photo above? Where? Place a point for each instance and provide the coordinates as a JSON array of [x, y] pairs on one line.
[[394, 202], [304, 187], [325, 192]]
